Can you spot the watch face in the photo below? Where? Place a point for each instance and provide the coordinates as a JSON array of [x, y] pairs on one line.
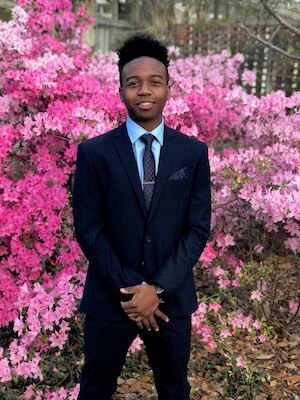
[[160, 293], [159, 290]]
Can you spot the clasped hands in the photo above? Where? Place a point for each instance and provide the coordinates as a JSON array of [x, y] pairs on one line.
[[143, 306]]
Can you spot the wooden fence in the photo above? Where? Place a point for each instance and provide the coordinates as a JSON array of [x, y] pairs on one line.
[[274, 70]]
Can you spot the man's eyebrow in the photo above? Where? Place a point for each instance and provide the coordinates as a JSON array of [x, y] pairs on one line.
[[157, 76], [131, 77], [137, 77]]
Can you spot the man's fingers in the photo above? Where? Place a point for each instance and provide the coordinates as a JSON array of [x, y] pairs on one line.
[[128, 306], [139, 324], [146, 324], [135, 316], [129, 290], [161, 315], [153, 323], [150, 323]]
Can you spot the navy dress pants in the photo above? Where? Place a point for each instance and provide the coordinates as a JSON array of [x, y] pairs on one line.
[[106, 346]]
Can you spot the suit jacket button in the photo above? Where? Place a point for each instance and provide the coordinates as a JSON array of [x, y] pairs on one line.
[[148, 239], [143, 263]]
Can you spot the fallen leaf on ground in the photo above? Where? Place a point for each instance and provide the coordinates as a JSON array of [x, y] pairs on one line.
[[264, 356]]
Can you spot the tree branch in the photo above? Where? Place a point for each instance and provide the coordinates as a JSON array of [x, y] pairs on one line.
[[270, 45], [278, 18], [275, 33]]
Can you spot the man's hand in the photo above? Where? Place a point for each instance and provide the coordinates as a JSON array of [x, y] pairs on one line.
[[150, 322], [139, 308], [143, 303], [143, 307]]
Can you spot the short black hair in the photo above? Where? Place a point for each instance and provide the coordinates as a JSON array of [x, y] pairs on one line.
[[142, 45]]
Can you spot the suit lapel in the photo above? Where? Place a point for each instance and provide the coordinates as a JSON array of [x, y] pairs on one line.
[[124, 148], [167, 155]]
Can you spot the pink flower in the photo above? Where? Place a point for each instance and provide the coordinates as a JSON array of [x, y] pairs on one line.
[[29, 392], [225, 240], [235, 283], [29, 369], [224, 283], [293, 244], [225, 333], [293, 306], [17, 352], [174, 51], [74, 393], [5, 373], [208, 254], [256, 295], [218, 271], [18, 326], [241, 321], [202, 308], [214, 307], [58, 339], [258, 248], [241, 363], [262, 338], [248, 77], [136, 345], [256, 324], [211, 343]]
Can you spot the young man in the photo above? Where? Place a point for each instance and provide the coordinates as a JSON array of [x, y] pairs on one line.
[[142, 217]]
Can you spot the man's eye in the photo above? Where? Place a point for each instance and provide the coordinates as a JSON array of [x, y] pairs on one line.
[[132, 84], [156, 82]]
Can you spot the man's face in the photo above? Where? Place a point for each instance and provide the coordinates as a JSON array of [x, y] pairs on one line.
[[145, 90]]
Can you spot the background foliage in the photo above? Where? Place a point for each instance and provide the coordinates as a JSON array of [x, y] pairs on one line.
[[55, 92]]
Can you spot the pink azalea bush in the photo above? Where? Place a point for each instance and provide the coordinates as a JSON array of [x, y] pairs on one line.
[[55, 92]]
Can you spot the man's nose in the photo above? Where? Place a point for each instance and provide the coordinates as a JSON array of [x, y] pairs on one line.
[[144, 89]]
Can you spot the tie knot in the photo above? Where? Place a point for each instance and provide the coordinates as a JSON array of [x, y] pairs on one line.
[[148, 138]]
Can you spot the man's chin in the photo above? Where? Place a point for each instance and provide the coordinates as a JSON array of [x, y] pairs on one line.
[[142, 118]]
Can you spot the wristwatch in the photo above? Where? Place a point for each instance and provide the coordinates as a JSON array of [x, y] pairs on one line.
[[160, 293]]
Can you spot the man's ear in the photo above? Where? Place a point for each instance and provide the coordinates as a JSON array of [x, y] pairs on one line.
[[121, 94], [169, 91]]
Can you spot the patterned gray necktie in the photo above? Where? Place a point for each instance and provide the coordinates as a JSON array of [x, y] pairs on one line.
[[149, 169]]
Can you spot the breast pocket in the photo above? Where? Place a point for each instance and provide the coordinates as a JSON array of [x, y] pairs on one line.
[[177, 191]]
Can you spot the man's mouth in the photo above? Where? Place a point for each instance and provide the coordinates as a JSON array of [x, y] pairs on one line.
[[145, 105]]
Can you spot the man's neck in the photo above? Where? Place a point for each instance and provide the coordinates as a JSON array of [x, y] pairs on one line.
[[148, 125]]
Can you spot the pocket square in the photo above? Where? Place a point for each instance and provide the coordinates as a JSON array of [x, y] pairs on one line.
[[182, 173]]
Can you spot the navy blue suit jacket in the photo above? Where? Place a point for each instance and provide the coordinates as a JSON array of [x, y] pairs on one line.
[[123, 243]]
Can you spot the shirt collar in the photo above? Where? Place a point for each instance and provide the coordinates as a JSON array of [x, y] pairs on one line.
[[135, 131]]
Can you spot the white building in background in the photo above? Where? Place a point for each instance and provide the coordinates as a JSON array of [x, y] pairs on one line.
[[5, 9]]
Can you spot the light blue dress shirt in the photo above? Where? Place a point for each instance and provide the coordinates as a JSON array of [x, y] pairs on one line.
[[135, 131]]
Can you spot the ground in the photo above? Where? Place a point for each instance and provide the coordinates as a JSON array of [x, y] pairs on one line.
[[276, 363]]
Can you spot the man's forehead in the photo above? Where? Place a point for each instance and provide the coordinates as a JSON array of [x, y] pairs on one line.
[[144, 65], [144, 62]]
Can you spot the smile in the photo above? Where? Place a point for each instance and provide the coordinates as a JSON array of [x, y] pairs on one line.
[[145, 105]]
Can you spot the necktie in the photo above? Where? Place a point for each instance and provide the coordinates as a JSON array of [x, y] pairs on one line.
[[149, 169]]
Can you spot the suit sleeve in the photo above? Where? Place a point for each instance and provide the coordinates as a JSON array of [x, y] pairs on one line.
[[90, 228], [187, 251]]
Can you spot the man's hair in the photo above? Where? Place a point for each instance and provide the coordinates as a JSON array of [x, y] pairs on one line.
[[142, 45]]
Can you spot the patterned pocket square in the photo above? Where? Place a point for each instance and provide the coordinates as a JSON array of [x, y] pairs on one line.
[[182, 173]]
